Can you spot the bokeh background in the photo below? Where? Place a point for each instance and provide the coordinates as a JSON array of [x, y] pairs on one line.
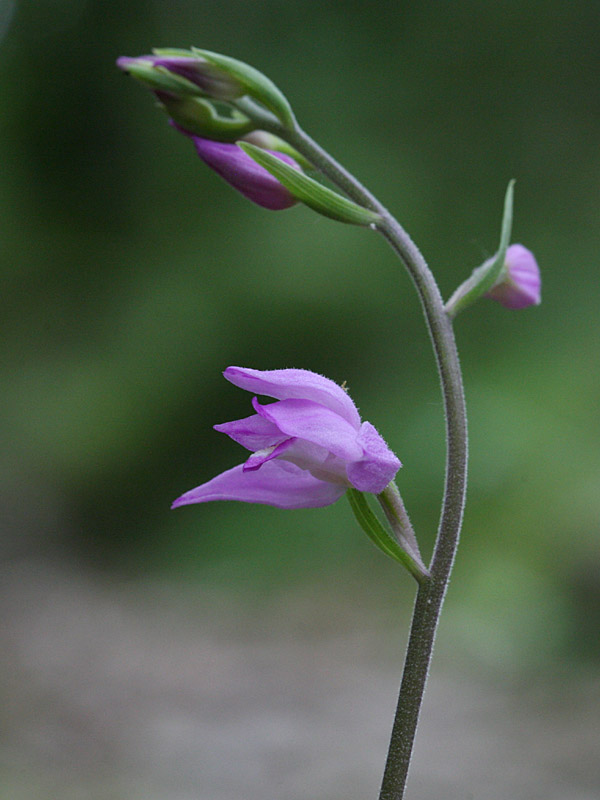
[[132, 276]]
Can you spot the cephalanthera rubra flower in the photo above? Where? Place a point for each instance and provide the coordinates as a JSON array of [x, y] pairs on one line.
[[307, 448]]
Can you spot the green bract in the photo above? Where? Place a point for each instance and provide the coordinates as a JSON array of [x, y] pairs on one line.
[[484, 277], [200, 118], [311, 192], [380, 536], [255, 83]]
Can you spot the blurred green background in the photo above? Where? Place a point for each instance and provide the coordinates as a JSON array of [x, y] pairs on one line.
[[132, 276]]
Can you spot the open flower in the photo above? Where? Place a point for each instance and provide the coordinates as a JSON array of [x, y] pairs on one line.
[[307, 449], [519, 284]]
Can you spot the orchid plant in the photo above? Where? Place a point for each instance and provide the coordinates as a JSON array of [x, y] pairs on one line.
[[310, 447]]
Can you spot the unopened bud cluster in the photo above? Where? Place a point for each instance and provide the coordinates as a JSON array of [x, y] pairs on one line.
[[192, 86], [198, 89]]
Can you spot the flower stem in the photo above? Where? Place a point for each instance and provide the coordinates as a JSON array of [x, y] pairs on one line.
[[430, 595]]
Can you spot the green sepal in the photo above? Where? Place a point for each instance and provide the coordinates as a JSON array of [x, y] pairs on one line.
[[380, 536], [311, 192], [256, 84], [484, 277], [199, 117]]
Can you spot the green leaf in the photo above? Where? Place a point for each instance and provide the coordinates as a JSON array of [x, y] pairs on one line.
[[380, 536], [309, 191], [257, 85], [484, 277]]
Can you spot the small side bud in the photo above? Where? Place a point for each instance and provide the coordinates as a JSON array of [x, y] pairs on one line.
[[519, 284], [487, 275]]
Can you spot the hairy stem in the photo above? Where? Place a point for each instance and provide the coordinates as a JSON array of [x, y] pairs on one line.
[[430, 596]]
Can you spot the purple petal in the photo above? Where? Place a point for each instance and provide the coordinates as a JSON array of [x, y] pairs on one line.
[[307, 455], [377, 467], [301, 384], [244, 174], [277, 483], [318, 461], [253, 433], [305, 419]]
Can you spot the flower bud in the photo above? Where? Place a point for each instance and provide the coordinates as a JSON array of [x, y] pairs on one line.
[[519, 284], [244, 174], [198, 116], [182, 73]]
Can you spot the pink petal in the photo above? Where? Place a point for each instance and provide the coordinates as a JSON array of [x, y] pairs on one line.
[[377, 467], [276, 483], [253, 433], [520, 285], [302, 384], [305, 419]]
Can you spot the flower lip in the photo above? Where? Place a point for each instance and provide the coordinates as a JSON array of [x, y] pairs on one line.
[[261, 457]]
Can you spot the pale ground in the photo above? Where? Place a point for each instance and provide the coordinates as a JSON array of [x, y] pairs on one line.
[[168, 692]]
